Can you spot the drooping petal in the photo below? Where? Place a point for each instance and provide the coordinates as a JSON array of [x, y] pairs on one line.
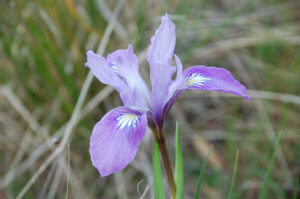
[[121, 70], [116, 138], [207, 78], [213, 79]]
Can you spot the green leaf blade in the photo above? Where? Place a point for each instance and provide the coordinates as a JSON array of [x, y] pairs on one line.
[[158, 184], [201, 175], [234, 174], [263, 191], [179, 176]]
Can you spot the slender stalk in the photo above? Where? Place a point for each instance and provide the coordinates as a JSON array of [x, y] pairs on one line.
[[166, 160]]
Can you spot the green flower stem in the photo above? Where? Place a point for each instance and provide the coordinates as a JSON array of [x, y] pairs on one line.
[[167, 164]]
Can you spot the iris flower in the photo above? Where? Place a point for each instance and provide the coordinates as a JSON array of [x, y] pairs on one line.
[[116, 137]]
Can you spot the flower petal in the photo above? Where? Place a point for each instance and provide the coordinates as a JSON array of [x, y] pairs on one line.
[[123, 62], [121, 70], [207, 78], [163, 42], [115, 139], [103, 72], [180, 81], [162, 92], [126, 66], [160, 88], [159, 57], [213, 79]]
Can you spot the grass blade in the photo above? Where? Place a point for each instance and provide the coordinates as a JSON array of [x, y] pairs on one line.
[[201, 175], [296, 189], [234, 174], [263, 191], [138, 187], [158, 184], [179, 178]]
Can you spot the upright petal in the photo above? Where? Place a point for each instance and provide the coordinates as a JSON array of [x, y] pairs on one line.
[[160, 89], [121, 70], [177, 86], [115, 139], [159, 57], [213, 79], [163, 42]]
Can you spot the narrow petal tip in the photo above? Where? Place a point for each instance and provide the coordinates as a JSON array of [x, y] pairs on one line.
[[90, 52], [166, 20], [166, 16], [90, 55], [247, 98], [130, 47]]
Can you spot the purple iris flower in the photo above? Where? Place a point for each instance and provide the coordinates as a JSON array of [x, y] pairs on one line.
[[116, 137]]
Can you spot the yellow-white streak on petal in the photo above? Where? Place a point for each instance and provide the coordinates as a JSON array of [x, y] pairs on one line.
[[196, 80], [127, 120]]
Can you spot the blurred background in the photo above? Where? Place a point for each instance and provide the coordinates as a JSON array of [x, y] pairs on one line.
[[49, 104]]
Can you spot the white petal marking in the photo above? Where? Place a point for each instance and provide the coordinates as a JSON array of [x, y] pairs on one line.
[[127, 120], [196, 79], [113, 67]]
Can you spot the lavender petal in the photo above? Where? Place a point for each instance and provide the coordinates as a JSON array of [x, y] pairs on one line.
[[115, 139], [213, 79]]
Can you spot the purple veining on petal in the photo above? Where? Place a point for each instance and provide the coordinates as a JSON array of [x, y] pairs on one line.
[[115, 139]]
